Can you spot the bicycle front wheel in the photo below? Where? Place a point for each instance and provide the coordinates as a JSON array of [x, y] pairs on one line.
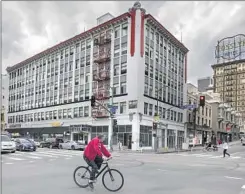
[[81, 176], [110, 177]]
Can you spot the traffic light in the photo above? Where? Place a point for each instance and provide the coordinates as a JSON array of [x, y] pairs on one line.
[[154, 126], [92, 100], [202, 101], [114, 122]]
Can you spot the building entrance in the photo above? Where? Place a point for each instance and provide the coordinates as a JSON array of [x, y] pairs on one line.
[[125, 139]]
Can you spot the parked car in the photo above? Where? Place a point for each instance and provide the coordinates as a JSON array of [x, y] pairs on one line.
[[51, 143], [37, 143], [7, 145], [24, 145], [33, 144], [72, 145]]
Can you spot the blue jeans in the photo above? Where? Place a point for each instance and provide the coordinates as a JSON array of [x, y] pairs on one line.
[[95, 164]]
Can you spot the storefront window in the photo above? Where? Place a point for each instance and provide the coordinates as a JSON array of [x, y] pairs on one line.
[[171, 139], [146, 136], [100, 129]]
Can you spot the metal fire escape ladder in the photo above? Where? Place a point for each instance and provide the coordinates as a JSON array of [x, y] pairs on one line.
[[101, 74]]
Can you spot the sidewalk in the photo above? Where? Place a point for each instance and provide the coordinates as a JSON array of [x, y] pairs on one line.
[[150, 151]]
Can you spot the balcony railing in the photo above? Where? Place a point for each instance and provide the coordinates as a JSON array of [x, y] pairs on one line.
[[102, 95], [102, 75], [97, 113]]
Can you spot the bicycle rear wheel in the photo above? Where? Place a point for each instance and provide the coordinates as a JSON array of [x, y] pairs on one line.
[[113, 175], [80, 174]]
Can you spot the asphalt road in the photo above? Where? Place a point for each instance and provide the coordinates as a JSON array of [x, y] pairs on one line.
[[51, 171]]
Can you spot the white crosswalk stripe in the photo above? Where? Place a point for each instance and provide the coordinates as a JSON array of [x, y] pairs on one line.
[[210, 156], [40, 154]]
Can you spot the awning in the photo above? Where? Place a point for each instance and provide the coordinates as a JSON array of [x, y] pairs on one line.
[[43, 130]]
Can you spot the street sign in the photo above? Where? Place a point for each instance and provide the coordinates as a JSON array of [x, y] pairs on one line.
[[113, 109], [111, 106], [189, 106]]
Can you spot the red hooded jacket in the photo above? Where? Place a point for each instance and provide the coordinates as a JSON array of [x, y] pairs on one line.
[[95, 148]]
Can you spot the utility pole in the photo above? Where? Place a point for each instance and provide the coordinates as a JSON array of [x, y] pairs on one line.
[[111, 116], [111, 127], [194, 121]]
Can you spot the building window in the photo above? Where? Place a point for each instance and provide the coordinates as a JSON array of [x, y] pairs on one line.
[[86, 111], [69, 113], [47, 115], [116, 89], [42, 117], [55, 114], [145, 136], [150, 109], [123, 107], [76, 112], [124, 29], [64, 113], [145, 108], [60, 114], [80, 111], [117, 32]]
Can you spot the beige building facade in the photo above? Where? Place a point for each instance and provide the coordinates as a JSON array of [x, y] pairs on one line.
[[203, 117], [229, 81]]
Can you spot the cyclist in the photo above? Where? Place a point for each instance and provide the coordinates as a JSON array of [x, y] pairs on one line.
[[93, 155]]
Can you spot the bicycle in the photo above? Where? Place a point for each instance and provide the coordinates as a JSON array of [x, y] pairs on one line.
[[107, 170]]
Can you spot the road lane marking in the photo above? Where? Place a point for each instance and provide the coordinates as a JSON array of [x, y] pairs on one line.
[[236, 178], [235, 157], [183, 154], [243, 187], [15, 158], [33, 157], [8, 163], [56, 154], [162, 170], [197, 165], [31, 161], [216, 157], [68, 158], [201, 156], [17, 154], [45, 155]]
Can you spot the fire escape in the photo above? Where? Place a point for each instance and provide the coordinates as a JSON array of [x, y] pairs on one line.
[[101, 73]]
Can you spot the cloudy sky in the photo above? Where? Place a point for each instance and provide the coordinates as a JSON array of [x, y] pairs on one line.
[[30, 27]]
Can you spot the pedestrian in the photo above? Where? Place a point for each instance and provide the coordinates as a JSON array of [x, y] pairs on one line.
[[120, 145], [225, 147]]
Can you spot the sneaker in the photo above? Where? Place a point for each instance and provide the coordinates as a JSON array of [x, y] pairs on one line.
[[91, 185]]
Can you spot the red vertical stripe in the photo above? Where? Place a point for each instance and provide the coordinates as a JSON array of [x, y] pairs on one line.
[[185, 67], [133, 13], [142, 34]]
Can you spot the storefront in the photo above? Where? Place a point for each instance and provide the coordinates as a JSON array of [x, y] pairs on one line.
[[81, 133], [39, 133], [123, 134]]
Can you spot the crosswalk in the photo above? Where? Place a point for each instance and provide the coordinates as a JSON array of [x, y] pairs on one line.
[[211, 156], [40, 154]]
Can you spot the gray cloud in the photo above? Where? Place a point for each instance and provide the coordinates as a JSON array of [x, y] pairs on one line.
[[30, 27]]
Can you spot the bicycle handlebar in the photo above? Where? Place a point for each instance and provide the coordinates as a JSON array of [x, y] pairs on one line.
[[106, 160]]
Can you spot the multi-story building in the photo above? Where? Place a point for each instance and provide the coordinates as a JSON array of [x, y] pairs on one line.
[[226, 121], [4, 101], [203, 126], [131, 57], [229, 81], [204, 83]]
